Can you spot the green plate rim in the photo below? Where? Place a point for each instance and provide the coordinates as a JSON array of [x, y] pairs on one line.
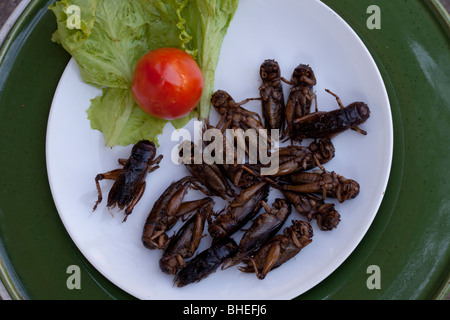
[[442, 13], [7, 276]]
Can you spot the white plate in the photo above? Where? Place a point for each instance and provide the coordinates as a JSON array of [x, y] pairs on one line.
[[290, 31]]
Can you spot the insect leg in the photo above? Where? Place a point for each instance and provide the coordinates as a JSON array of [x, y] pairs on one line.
[[337, 98], [272, 258], [315, 102], [358, 129], [157, 160], [225, 126], [221, 120], [247, 100], [286, 80], [111, 175]]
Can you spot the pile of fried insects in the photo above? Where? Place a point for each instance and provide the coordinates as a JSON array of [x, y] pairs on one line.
[[262, 247]]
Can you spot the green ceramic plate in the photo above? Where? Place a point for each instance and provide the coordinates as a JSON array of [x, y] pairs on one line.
[[406, 250]]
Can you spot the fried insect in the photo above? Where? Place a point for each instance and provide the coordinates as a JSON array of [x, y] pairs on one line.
[[206, 262], [300, 96], [209, 175], [280, 249], [166, 211], [328, 124], [129, 185], [314, 208], [185, 242], [326, 183], [233, 169], [272, 97], [263, 228], [232, 115], [239, 211], [295, 158]]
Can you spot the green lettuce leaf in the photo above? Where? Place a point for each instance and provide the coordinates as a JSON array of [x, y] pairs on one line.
[[111, 37], [110, 45], [115, 113], [122, 122], [73, 38], [208, 21]]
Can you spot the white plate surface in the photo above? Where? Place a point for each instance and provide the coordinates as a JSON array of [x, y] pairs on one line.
[[291, 32]]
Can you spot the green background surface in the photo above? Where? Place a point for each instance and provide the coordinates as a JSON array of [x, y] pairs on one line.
[[409, 238]]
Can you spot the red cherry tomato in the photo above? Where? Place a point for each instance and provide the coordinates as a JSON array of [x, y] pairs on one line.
[[167, 83]]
